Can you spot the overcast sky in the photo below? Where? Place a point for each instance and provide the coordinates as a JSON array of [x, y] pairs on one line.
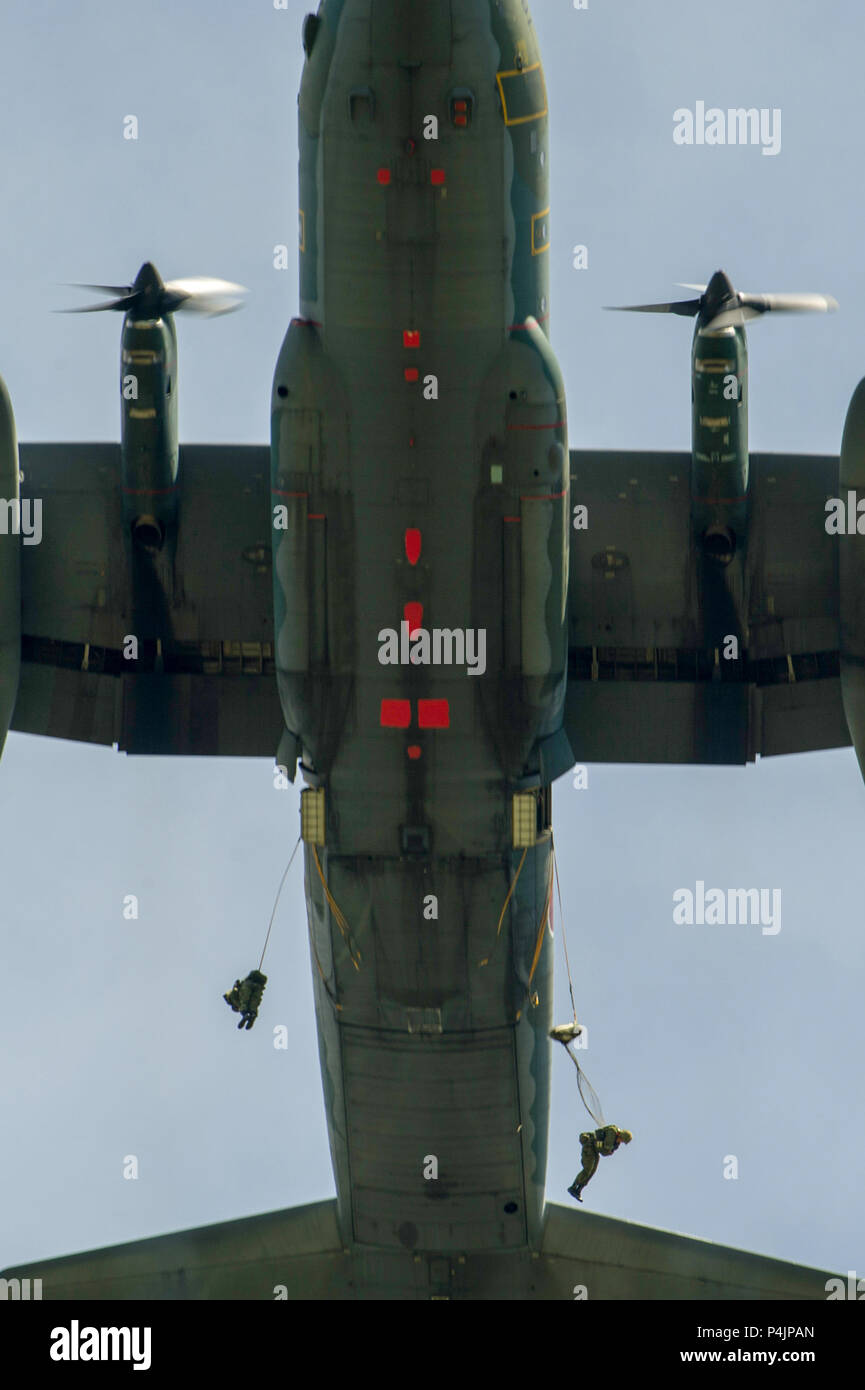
[[704, 1041]]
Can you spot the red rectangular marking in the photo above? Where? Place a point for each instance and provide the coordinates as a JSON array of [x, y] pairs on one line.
[[411, 338], [413, 614], [434, 714], [412, 544], [395, 714]]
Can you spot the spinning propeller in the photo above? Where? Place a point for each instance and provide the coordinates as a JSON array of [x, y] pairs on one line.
[[149, 297], [721, 306]]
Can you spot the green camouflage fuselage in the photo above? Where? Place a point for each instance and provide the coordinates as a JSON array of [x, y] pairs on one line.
[[419, 457]]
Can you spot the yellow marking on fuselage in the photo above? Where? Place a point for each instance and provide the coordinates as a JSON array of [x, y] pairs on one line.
[[521, 72], [142, 356], [537, 250]]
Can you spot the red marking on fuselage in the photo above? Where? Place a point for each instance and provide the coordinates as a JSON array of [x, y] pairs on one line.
[[413, 542], [395, 714], [542, 496], [433, 714], [413, 615]]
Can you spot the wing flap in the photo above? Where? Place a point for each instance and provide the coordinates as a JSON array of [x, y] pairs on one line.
[[640, 687], [298, 1249], [297, 1254], [202, 679], [621, 1260]]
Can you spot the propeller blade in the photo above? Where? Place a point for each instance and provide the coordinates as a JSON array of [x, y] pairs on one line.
[[788, 303], [688, 307], [683, 285], [125, 303], [149, 297], [736, 317], [202, 294], [734, 309], [119, 290]]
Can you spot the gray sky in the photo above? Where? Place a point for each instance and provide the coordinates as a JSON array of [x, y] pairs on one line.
[[705, 1041]]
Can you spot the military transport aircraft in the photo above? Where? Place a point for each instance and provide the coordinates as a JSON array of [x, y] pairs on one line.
[[450, 611]]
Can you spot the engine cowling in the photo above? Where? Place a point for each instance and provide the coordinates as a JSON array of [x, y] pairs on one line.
[[148, 432]]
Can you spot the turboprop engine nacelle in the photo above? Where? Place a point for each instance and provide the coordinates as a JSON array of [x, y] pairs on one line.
[[10, 565], [148, 427], [851, 578], [719, 396], [148, 389], [719, 441]]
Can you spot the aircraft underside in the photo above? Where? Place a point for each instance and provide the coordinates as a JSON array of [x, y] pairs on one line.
[[432, 636]]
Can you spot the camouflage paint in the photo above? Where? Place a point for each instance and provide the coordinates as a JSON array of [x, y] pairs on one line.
[[719, 431], [420, 259], [148, 418]]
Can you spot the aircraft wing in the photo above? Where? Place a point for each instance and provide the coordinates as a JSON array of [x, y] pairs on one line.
[[297, 1254], [203, 681], [640, 688]]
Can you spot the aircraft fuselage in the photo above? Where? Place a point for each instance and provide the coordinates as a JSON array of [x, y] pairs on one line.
[[420, 477]]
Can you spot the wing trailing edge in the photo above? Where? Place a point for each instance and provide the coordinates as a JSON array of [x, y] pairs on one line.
[[298, 1254]]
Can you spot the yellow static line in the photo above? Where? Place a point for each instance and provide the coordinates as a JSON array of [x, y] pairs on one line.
[[488, 958], [338, 914], [545, 915]]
